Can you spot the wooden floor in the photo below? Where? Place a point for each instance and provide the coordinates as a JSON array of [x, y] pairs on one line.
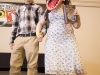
[[23, 73]]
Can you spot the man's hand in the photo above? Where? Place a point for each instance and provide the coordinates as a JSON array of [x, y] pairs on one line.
[[40, 37], [11, 46]]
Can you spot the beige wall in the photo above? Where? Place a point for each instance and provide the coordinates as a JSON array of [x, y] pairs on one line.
[[88, 38]]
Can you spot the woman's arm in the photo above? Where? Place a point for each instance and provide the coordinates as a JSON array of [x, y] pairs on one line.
[[41, 14], [78, 21], [40, 25]]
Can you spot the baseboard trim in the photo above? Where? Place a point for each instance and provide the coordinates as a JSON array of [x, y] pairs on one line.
[[40, 69], [5, 62]]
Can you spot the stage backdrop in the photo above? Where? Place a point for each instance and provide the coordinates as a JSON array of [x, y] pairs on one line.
[[7, 11]]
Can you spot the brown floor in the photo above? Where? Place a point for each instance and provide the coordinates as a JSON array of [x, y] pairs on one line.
[[23, 73]]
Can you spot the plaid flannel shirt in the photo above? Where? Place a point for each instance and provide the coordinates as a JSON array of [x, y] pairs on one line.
[[24, 20]]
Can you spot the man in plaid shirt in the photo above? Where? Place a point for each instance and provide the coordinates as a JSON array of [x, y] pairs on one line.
[[23, 40]]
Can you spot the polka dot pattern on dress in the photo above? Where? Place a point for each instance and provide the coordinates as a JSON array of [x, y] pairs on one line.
[[61, 50]]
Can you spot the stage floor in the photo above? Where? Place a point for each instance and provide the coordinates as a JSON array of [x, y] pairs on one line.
[[23, 73]]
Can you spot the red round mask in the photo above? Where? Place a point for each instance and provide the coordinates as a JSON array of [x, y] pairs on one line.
[[52, 4]]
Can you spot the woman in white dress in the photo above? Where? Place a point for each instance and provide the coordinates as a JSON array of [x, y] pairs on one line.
[[61, 51]]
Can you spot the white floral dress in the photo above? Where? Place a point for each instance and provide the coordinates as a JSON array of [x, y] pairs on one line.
[[61, 51]]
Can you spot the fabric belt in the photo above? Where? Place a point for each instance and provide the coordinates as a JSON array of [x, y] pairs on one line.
[[26, 35]]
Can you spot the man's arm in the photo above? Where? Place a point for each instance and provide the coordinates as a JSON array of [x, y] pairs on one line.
[[15, 25]]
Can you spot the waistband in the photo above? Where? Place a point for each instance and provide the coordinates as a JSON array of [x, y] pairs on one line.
[[27, 35]]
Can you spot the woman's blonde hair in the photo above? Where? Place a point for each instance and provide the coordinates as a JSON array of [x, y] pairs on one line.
[[67, 2]]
